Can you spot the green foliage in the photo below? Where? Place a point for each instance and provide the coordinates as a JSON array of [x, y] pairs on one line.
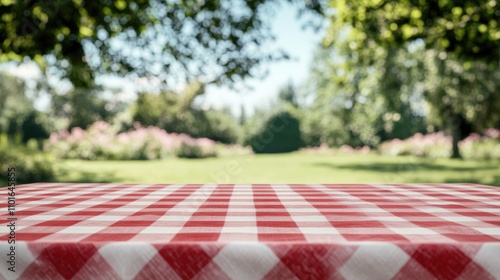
[[437, 145], [454, 90], [243, 116], [288, 94], [443, 55], [18, 117], [361, 98], [486, 147], [14, 105], [460, 97], [187, 150], [175, 113], [220, 126], [102, 142], [218, 39], [297, 168], [82, 107], [314, 129], [35, 126], [30, 164], [468, 30], [280, 133], [457, 66]]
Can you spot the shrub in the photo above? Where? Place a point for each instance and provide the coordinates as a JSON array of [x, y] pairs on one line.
[[323, 149], [189, 151], [170, 111], [279, 134], [34, 126], [437, 145], [101, 141], [431, 145], [486, 147], [233, 150], [220, 126], [31, 165], [196, 148]]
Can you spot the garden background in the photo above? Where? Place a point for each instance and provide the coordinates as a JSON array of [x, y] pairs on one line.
[[397, 92]]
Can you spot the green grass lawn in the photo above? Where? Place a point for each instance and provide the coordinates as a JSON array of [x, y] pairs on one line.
[[283, 168]]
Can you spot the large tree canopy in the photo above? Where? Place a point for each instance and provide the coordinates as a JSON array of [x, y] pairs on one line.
[[218, 40], [458, 71], [467, 29]]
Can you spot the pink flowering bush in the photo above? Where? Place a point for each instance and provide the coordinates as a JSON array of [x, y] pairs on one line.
[[344, 149], [233, 150], [196, 148], [438, 145], [481, 147], [433, 145], [100, 141]]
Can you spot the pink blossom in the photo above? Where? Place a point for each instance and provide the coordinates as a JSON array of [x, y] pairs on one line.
[[54, 138], [77, 133], [492, 133]]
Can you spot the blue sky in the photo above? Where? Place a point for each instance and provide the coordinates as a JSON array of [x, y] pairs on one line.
[[300, 45]]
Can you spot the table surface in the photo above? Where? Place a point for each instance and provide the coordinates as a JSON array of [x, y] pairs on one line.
[[253, 231]]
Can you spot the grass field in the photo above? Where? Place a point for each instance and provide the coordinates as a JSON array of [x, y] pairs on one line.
[[283, 168]]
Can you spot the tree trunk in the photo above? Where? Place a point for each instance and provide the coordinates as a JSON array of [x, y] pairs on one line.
[[456, 134]]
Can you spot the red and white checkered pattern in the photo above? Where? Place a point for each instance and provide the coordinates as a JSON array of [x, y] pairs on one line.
[[378, 231]]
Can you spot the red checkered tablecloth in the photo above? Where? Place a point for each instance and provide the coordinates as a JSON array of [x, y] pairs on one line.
[[376, 231]]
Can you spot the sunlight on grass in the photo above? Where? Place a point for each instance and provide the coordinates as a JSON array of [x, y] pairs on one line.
[[283, 168]]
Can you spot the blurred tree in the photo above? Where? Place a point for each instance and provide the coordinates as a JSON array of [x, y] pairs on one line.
[[467, 30], [176, 113], [35, 126], [463, 32], [279, 134], [220, 126], [350, 92], [216, 39], [14, 105], [18, 117], [81, 107], [462, 97], [397, 75], [288, 94], [243, 116]]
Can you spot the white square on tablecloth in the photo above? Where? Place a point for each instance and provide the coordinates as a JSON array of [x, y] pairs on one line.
[[80, 229], [240, 218], [43, 202], [316, 218], [390, 219], [373, 261], [490, 231], [138, 203], [488, 210], [246, 260], [174, 218], [459, 219], [487, 257], [166, 230], [106, 218], [253, 230], [71, 209], [432, 209], [21, 263], [415, 230], [42, 217], [319, 230], [127, 258]]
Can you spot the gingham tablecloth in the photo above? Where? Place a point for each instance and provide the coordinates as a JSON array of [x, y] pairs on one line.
[[378, 231]]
